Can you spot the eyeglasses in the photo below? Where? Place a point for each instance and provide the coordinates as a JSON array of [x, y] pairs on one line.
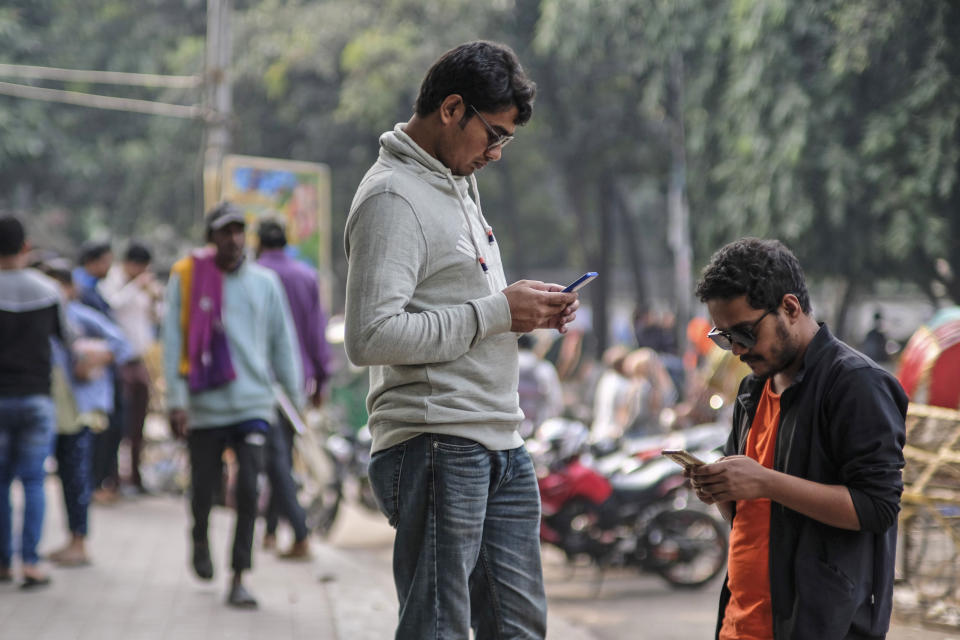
[[746, 337], [498, 139]]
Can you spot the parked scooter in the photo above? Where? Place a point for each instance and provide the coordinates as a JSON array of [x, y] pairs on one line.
[[641, 515]]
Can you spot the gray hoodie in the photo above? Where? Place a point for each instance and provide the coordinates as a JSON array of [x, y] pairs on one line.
[[431, 323]]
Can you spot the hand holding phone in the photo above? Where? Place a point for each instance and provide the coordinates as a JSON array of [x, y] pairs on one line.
[[683, 457], [580, 282], [539, 305]]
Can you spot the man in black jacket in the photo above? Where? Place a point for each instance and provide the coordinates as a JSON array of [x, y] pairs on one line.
[[811, 481]]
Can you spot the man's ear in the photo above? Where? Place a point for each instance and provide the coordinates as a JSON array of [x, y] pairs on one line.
[[791, 306], [452, 109]]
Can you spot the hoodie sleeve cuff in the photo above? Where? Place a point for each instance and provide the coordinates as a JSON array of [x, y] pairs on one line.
[[177, 393], [874, 515], [493, 315]]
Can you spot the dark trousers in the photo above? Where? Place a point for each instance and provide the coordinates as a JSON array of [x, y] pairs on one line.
[[106, 474], [283, 489], [135, 381], [206, 472], [74, 463]]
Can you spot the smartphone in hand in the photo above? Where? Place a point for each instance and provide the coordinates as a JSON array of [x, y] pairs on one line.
[[683, 457], [580, 282]]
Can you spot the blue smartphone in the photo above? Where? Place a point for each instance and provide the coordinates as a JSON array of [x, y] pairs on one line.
[[580, 282]]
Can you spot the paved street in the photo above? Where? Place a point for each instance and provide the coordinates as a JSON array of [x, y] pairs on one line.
[[140, 588]]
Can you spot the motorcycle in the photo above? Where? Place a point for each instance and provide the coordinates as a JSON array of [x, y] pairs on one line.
[[641, 515]]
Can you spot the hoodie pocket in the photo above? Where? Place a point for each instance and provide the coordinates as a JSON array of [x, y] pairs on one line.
[[825, 597]]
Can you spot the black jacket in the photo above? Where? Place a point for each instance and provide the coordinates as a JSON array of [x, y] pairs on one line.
[[841, 422]]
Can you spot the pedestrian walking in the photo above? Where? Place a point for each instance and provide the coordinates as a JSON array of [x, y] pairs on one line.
[[303, 293], [95, 261], [811, 481], [227, 335], [88, 372], [429, 310], [134, 295], [31, 313]]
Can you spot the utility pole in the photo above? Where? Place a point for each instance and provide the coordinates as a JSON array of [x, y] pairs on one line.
[[678, 228], [218, 97]]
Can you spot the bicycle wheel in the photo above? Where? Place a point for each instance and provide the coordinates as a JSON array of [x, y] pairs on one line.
[[319, 485], [687, 547], [930, 551]]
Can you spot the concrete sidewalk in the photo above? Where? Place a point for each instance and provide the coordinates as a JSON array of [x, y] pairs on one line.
[[140, 586]]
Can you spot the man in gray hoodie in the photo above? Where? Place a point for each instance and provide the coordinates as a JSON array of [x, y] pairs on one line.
[[429, 311]]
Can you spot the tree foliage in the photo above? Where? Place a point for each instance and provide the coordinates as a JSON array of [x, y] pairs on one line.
[[835, 129], [833, 125]]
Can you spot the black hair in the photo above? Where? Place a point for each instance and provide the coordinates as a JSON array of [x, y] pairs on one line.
[[59, 269], [12, 236], [271, 235], [525, 341], [762, 270], [137, 253], [487, 75], [93, 250]]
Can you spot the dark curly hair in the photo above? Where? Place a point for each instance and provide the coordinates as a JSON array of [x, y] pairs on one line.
[[763, 270], [487, 75], [12, 236], [137, 253]]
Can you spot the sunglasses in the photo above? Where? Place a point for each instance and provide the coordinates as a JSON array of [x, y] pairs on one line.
[[494, 139], [746, 337]]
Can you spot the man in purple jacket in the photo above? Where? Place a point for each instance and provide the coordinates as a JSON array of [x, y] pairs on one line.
[[303, 294]]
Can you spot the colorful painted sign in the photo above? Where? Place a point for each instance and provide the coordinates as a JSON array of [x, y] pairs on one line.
[[298, 192]]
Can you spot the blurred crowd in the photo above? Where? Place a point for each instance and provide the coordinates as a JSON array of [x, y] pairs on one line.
[[636, 389], [82, 368], [644, 385], [107, 377]]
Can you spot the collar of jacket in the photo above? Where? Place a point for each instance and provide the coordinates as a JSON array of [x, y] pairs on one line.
[[753, 386]]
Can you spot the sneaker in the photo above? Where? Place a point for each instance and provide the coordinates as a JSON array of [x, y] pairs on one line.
[[71, 558], [34, 582], [105, 496], [202, 565], [298, 551], [73, 554], [269, 542], [240, 598], [33, 578]]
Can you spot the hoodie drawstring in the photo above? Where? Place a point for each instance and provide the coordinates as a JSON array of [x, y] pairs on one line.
[[476, 196], [466, 216]]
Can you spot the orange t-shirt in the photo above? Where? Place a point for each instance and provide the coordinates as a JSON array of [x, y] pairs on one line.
[[749, 615]]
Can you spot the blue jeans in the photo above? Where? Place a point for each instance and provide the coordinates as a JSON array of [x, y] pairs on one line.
[[467, 548], [74, 464], [27, 425], [283, 488]]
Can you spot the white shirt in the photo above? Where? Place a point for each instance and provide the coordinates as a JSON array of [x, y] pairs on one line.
[[134, 309]]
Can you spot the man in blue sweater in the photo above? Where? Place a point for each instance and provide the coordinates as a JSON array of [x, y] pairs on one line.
[[227, 335]]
